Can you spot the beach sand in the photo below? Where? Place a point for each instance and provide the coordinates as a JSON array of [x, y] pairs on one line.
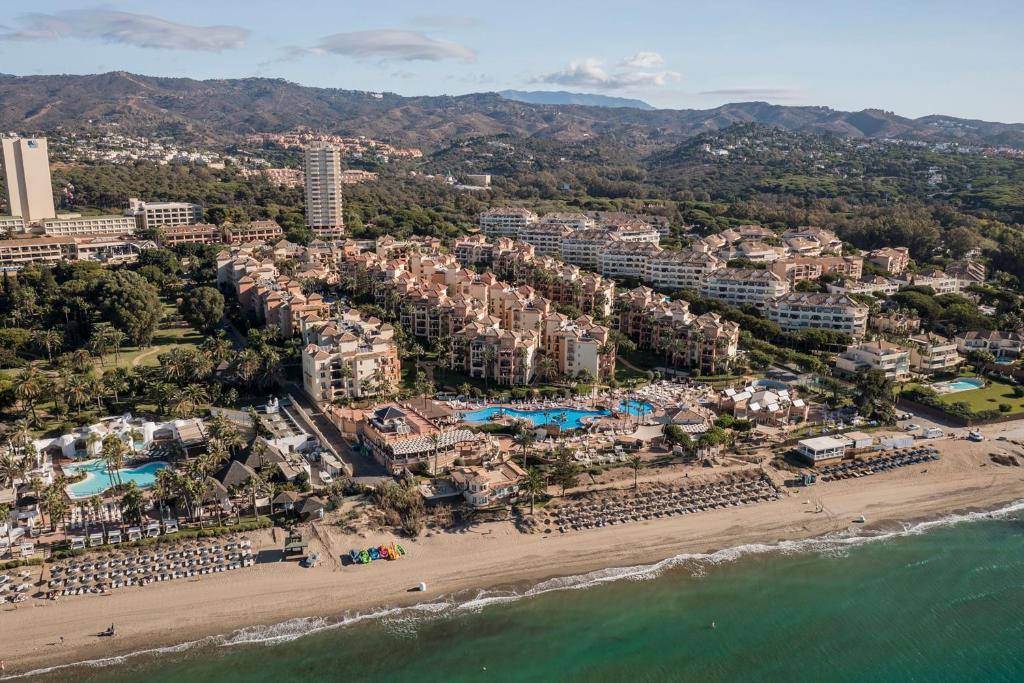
[[482, 556]]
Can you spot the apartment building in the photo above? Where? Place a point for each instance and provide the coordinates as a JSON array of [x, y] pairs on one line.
[[932, 353], [474, 250], [896, 322], [673, 270], [801, 310], [285, 307], [889, 358], [707, 342], [323, 181], [999, 344], [800, 268], [938, 280], [73, 225], [893, 260], [199, 233], [574, 221], [584, 247], [812, 241], [869, 285], [577, 346], [546, 238], [507, 221], [348, 357], [627, 259], [744, 286], [26, 171], [254, 231], [484, 350], [967, 271], [152, 215]]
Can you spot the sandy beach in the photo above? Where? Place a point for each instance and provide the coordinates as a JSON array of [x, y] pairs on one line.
[[488, 555]]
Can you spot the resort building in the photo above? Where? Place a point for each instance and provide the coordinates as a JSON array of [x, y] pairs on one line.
[[584, 247], [26, 171], [574, 221], [801, 310], [893, 260], [744, 287], [488, 485], [578, 346], [199, 233], [474, 250], [763, 405], [15, 254], [889, 358], [73, 225], [627, 259], [105, 249], [999, 344], [932, 353], [400, 436], [137, 433], [485, 350], [546, 238], [255, 231], [348, 357], [11, 226], [812, 241], [896, 322], [506, 221], [152, 215]]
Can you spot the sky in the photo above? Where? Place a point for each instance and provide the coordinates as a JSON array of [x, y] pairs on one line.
[[913, 57]]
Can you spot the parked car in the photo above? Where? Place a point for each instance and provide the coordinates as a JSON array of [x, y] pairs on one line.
[[326, 478], [912, 427]]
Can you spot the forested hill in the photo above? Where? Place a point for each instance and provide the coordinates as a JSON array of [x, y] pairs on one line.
[[218, 111]]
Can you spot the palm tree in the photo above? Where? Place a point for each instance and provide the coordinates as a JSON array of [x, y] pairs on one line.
[[524, 439], [112, 455], [218, 348], [636, 462], [90, 443], [76, 389], [116, 381], [131, 503], [28, 387], [533, 484], [163, 487], [489, 357], [5, 518], [48, 340], [435, 443], [116, 339]]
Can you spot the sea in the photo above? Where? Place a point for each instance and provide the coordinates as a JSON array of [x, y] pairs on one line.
[[932, 601]]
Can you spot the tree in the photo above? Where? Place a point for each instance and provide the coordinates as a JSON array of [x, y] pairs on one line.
[[676, 436], [636, 462], [524, 439], [980, 359], [534, 484], [566, 471], [28, 387], [874, 393], [203, 308], [132, 504], [130, 303]]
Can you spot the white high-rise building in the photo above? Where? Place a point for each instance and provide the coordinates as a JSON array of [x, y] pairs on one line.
[[26, 170], [323, 191], [151, 215]]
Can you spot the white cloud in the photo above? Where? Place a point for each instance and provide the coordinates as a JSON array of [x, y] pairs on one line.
[[643, 60], [393, 44], [442, 21], [126, 28], [590, 73]]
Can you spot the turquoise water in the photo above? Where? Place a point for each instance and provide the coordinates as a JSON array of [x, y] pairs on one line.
[[960, 384], [567, 418], [933, 603], [632, 407], [97, 481]]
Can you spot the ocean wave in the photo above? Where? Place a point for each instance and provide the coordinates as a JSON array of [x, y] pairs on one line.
[[403, 618]]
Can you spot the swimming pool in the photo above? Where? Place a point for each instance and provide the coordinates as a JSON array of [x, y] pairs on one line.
[[566, 418], [97, 481], [634, 407], [959, 384]]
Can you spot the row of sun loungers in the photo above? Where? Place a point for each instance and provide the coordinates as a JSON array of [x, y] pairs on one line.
[[895, 460], [663, 501], [139, 569]]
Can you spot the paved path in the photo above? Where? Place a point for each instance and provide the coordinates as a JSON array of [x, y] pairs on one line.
[[362, 466]]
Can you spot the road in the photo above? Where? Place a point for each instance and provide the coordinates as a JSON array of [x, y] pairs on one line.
[[362, 466]]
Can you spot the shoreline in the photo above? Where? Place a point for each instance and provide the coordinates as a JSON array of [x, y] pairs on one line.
[[483, 564]]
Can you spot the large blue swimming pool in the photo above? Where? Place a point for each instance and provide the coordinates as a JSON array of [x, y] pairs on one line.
[[566, 418], [633, 407], [97, 481]]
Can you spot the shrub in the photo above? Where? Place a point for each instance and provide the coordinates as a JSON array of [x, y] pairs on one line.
[[1005, 407]]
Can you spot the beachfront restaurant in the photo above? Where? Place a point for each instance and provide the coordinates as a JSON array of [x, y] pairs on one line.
[[822, 449]]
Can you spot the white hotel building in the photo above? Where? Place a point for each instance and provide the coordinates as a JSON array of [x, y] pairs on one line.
[[744, 287], [506, 221], [800, 310], [73, 225]]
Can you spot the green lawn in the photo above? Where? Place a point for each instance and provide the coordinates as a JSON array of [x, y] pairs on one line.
[[166, 338], [987, 398]]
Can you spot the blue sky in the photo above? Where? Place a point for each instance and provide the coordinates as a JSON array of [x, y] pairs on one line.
[[908, 56]]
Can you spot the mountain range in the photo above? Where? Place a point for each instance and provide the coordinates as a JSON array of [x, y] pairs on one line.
[[564, 97], [220, 111]]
